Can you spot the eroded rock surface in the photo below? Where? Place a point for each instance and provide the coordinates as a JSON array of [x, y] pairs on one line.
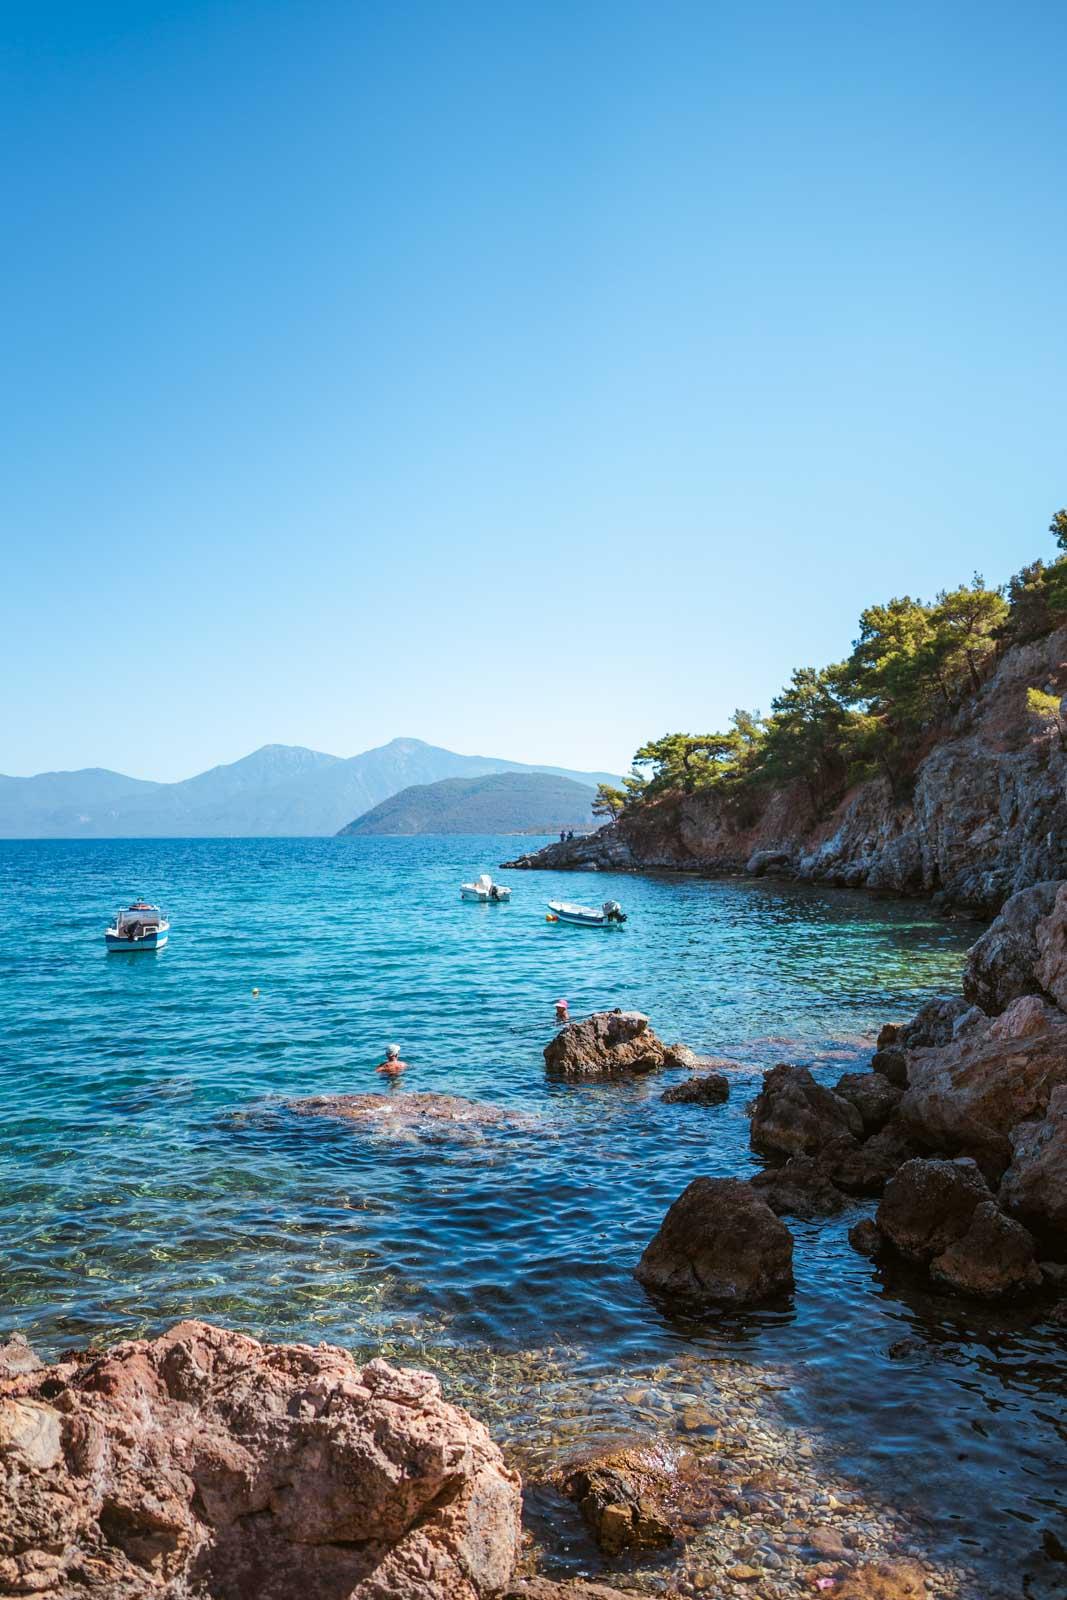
[[702, 1089], [203, 1465], [969, 1095], [403, 1111], [1034, 1188], [1050, 936], [719, 1244], [941, 1215], [624, 1496], [1000, 965], [873, 1096], [795, 1116], [612, 1044], [799, 1188]]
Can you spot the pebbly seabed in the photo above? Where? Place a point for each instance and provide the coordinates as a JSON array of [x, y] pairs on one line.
[[150, 1168]]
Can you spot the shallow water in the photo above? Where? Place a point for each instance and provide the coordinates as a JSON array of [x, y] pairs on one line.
[[149, 1167]]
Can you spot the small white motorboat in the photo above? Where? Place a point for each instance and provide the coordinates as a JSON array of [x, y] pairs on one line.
[[139, 927], [610, 914], [484, 890]]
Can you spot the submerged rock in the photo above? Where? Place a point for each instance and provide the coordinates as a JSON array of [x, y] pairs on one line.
[[702, 1089], [204, 1464], [795, 1116], [883, 1580], [865, 1237], [719, 1244], [611, 1044], [623, 1496], [568, 1589], [404, 1111], [799, 1188]]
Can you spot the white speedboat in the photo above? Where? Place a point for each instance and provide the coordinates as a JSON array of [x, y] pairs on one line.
[[484, 890], [610, 914], [139, 927]]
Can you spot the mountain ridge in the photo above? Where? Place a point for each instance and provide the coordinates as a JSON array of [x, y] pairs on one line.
[[276, 790], [496, 802]]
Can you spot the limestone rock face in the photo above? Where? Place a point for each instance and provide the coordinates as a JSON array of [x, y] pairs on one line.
[[1000, 965], [702, 1089], [987, 815], [1050, 937], [969, 1096], [719, 1244], [795, 1116], [609, 1044], [203, 1465], [1034, 1188]]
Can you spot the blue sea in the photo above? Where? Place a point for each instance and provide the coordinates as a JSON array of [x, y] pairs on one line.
[[151, 1169]]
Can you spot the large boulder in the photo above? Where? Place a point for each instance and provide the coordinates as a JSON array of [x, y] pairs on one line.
[[719, 1244], [795, 1116], [611, 1044], [941, 1215], [204, 1464], [994, 1257], [798, 1188], [968, 1096], [866, 1168], [1050, 937], [872, 1094], [1034, 1188], [700, 1089], [1000, 965], [934, 1025], [928, 1205]]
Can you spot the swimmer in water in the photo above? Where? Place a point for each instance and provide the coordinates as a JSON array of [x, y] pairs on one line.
[[392, 1066], [562, 1014]]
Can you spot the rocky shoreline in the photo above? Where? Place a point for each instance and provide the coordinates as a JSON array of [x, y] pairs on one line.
[[986, 816]]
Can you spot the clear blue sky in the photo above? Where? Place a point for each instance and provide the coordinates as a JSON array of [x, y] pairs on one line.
[[534, 378]]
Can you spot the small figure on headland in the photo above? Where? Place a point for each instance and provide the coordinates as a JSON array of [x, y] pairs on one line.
[[392, 1066], [562, 835], [562, 1013]]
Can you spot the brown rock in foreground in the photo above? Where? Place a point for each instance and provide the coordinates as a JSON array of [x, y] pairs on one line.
[[569, 1589], [719, 1244], [799, 1188], [1034, 1188], [203, 1465], [612, 1044]]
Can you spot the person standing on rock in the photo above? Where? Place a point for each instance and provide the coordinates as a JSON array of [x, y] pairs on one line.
[[392, 1066]]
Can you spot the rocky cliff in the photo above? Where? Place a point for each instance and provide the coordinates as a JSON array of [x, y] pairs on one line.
[[986, 815]]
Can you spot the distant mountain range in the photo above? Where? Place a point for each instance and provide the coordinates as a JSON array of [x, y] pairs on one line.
[[501, 802], [278, 790]]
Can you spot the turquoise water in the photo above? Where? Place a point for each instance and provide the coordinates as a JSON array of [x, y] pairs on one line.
[[150, 1167]]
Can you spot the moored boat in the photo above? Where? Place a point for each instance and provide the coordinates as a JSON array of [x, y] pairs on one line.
[[140, 927], [484, 890], [610, 914]]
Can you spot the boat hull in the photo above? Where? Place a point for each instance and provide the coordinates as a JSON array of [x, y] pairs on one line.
[[150, 941], [580, 919]]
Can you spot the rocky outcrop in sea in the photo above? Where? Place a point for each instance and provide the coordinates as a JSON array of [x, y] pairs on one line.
[[986, 816]]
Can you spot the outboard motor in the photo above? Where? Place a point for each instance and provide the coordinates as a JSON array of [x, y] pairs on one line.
[[613, 912]]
